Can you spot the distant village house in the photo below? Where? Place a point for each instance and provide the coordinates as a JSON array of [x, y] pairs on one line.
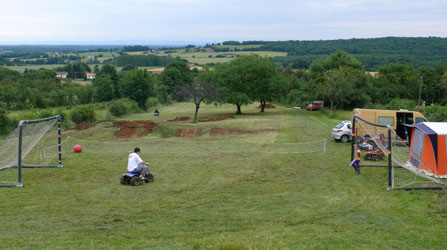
[[90, 75], [61, 75]]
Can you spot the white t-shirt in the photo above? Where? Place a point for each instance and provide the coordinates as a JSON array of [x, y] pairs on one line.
[[134, 161]]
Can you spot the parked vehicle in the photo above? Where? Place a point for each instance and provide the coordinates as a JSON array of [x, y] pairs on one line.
[[397, 119], [342, 132], [312, 107]]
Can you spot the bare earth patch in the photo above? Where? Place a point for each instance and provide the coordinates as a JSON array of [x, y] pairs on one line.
[[180, 119], [130, 129], [188, 132], [268, 106], [215, 118], [84, 126]]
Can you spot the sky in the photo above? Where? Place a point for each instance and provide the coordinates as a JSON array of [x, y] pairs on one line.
[[201, 21]]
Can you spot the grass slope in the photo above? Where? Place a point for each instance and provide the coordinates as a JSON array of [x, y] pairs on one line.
[[221, 200]]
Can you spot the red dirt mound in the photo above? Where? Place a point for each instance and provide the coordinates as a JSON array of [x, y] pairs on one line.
[[215, 118], [83, 126], [268, 106], [188, 132], [129, 129], [180, 119]]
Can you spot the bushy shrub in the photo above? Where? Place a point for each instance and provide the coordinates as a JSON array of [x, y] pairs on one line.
[[397, 104], [298, 98], [166, 131], [45, 114], [65, 121], [83, 114], [152, 102], [436, 113], [5, 123], [122, 107]]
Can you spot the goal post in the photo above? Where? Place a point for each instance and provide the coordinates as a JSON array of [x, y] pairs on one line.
[[22, 141], [383, 147]]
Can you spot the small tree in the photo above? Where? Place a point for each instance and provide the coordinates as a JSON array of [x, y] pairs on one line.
[[199, 92]]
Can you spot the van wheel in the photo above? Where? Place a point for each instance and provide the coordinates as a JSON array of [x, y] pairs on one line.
[[344, 139]]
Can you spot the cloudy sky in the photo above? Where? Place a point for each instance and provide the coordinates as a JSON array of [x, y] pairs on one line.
[[202, 21]]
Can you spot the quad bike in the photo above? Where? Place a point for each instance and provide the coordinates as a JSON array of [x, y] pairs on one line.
[[134, 179], [376, 155]]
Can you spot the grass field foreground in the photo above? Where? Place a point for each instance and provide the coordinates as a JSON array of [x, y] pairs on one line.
[[217, 199]]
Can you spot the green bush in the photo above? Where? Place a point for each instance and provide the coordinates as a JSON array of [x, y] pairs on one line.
[[152, 102], [65, 121], [436, 113], [397, 104], [122, 107], [45, 114], [83, 114], [6, 125], [298, 98], [166, 131]]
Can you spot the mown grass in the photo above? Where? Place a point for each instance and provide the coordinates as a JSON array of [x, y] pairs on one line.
[[221, 200]]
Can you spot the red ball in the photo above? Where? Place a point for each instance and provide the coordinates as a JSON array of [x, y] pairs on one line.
[[77, 148]]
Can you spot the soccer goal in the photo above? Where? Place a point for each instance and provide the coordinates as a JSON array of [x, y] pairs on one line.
[[381, 146], [33, 144]]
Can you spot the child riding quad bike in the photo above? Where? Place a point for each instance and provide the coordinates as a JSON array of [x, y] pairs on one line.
[[134, 179]]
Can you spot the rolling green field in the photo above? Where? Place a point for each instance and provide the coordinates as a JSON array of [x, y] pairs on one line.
[[203, 57], [219, 195], [21, 69]]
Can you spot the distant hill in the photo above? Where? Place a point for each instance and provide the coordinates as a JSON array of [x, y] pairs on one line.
[[372, 52]]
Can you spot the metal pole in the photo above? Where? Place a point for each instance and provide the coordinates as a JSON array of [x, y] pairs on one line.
[[390, 162], [19, 155], [420, 91], [59, 146], [353, 138]]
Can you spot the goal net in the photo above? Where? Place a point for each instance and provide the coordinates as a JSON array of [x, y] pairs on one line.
[[33, 144], [195, 147], [381, 146]]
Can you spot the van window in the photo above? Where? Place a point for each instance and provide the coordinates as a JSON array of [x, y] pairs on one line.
[[386, 120], [419, 120]]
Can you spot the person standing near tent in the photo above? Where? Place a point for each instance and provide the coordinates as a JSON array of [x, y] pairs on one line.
[[136, 165], [356, 162]]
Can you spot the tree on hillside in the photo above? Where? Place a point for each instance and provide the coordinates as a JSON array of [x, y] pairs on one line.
[[341, 80], [260, 74], [334, 61], [137, 85], [198, 92], [401, 80], [335, 87], [110, 70], [104, 88], [230, 77], [176, 74]]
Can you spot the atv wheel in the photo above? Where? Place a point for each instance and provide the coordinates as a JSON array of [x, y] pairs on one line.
[[135, 181], [123, 180]]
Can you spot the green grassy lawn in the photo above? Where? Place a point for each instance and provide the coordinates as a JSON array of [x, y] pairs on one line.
[[220, 199]]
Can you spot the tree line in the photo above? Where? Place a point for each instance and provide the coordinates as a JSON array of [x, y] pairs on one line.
[[339, 79]]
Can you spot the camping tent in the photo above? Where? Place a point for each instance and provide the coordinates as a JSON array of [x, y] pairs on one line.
[[428, 147]]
